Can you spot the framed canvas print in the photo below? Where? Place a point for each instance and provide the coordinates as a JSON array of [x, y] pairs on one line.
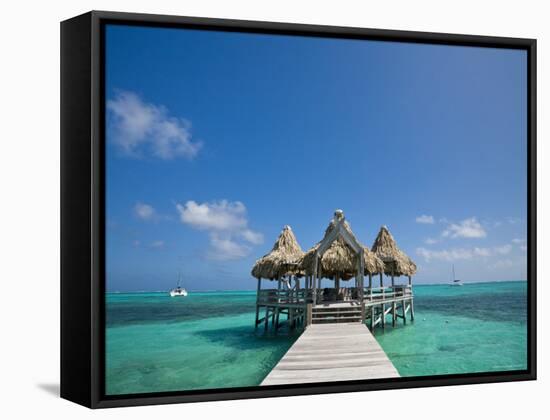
[[255, 209]]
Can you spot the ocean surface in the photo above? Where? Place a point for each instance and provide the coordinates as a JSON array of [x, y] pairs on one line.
[[156, 343]]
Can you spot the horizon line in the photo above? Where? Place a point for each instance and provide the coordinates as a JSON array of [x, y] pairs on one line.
[[253, 290]]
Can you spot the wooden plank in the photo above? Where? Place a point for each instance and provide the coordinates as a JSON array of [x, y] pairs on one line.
[[332, 352]]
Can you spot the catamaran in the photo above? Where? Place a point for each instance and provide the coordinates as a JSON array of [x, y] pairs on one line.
[[178, 291], [456, 282]]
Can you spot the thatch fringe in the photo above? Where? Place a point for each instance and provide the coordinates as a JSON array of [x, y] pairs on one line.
[[395, 260], [340, 259], [282, 259]]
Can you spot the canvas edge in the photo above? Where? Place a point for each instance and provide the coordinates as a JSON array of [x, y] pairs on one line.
[[75, 183]]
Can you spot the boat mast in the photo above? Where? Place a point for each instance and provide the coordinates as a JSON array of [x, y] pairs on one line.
[[454, 273]]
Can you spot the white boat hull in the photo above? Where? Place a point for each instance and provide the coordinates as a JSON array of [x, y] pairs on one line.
[[176, 293]]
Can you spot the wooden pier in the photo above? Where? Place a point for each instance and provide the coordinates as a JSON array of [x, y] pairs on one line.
[[337, 343], [332, 352], [296, 308]]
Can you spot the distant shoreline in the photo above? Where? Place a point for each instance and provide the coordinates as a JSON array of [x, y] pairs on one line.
[[116, 292]]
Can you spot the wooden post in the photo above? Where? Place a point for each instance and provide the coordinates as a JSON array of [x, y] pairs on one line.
[[370, 286], [372, 318], [315, 279], [412, 309], [381, 280], [266, 318], [383, 320], [257, 300], [404, 312], [309, 314], [360, 278], [393, 313], [273, 313]]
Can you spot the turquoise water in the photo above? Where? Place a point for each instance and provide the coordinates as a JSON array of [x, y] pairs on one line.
[[156, 343]]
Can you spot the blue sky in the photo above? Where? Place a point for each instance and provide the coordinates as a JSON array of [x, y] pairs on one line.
[[215, 141]]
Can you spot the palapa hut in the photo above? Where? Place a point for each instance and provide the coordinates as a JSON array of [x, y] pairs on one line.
[[339, 256], [396, 262], [281, 261]]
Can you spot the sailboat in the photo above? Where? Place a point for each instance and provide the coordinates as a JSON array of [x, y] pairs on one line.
[[456, 282], [178, 291]]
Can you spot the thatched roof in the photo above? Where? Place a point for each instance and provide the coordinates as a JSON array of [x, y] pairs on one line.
[[282, 259], [339, 259], [395, 260]]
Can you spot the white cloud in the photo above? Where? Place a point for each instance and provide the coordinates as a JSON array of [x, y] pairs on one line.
[[425, 219], [445, 255], [157, 244], [431, 241], [455, 254], [513, 220], [468, 228], [503, 250], [222, 215], [141, 127], [225, 248], [255, 238], [144, 211], [510, 263], [482, 252], [521, 243], [227, 225]]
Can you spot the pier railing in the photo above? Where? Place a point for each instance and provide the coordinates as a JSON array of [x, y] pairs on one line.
[[292, 296], [303, 296], [385, 293]]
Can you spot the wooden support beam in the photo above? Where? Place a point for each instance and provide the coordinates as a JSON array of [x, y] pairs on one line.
[[372, 325], [370, 286], [257, 299], [315, 262]]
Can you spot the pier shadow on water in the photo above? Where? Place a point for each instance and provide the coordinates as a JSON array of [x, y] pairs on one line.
[[247, 338]]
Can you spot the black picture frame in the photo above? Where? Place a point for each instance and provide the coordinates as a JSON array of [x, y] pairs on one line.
[[83, 218]]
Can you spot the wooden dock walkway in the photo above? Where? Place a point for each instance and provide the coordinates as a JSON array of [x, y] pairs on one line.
[[332, 352]]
